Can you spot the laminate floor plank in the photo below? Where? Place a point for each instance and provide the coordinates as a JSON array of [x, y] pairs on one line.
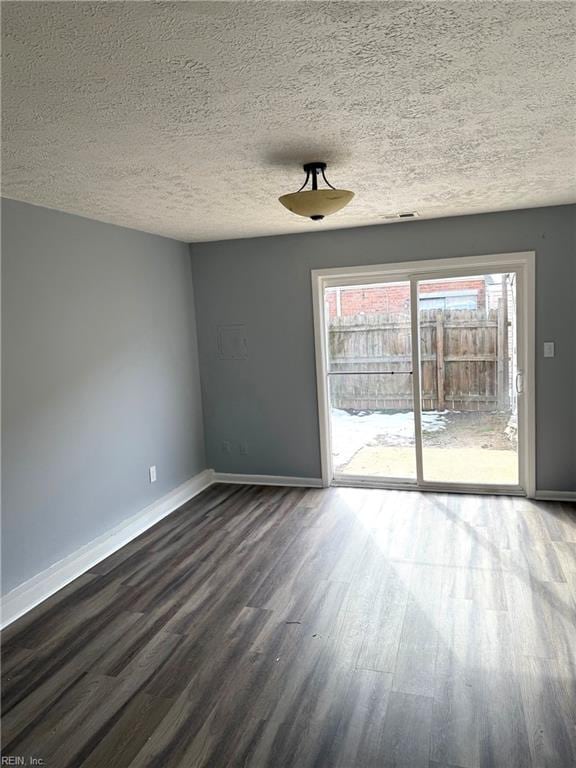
[[474, 649], [302, 726], [558, 519], [358, 740], [405, 738], [88, 708], [26, 630], [383, 602], [276, 627], [549, 703], [50, 670], [436, 764], [420, 632], [543, 616], [129, 733]]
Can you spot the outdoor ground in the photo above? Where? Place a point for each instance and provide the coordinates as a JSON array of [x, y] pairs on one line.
[[469, 447]]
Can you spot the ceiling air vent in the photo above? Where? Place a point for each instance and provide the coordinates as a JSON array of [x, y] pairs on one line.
[[403, 215]]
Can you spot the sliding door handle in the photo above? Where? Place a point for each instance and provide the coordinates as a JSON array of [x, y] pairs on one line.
[[369, 373], [520, 382]]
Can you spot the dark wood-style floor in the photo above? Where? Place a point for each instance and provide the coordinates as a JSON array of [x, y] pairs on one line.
[[277, 627]]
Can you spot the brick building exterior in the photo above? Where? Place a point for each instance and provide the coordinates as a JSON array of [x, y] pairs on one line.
[[395, 298]]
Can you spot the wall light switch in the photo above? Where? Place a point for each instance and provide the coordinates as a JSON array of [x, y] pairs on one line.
[[153, 474], [548, 349]]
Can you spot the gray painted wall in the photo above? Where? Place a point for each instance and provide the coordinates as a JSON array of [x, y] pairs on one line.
[[99, 380], [269, 399]]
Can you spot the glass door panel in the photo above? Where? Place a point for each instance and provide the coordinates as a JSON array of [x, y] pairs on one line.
[[468, 370], [370, 380]]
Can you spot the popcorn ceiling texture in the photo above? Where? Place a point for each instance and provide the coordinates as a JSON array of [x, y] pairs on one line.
[[189, 119]]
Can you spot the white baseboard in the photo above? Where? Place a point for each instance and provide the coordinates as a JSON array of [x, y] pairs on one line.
[[303, 482], [555, 495], [44, 584]]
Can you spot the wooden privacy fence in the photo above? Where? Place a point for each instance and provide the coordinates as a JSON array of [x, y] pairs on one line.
[[464, 358]]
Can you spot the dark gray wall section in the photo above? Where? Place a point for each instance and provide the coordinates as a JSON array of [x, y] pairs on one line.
[[269, 399], [99, 380]]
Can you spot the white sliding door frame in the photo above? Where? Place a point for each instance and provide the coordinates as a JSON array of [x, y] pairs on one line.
[[523, 264], [416, 378]]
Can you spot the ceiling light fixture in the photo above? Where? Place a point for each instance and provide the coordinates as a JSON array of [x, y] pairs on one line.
[[316, 203]]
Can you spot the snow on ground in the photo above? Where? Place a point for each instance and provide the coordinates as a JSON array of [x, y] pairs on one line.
[[351, 432]]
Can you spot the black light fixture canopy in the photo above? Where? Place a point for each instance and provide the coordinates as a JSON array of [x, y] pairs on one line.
[[316, 203]]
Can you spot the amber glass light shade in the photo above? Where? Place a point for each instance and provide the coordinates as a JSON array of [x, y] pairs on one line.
[[317, 203]]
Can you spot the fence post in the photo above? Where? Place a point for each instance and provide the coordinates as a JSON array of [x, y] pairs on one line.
[[440, 359], [502, 353]]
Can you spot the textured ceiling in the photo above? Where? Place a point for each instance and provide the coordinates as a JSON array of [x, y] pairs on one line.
[[189, 119]]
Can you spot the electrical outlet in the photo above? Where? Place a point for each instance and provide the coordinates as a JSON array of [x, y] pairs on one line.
[[226, 446], [152, 472], [548, 349], [244, 448]]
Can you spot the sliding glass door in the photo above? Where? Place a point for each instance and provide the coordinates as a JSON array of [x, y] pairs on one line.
[[468, 372], [424, 379], [370, 380]]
